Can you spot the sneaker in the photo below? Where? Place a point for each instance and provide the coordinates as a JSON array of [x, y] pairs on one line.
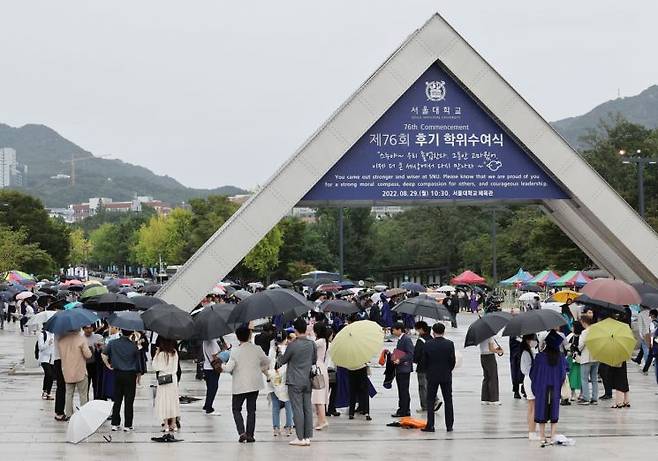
[[533, 437], [583, 402], [307, 442], [128, 429], [484, 402], [593, 402], [211, 413], [115, 428], [495, 404], [297, 443], [276, 432], [288, 431]]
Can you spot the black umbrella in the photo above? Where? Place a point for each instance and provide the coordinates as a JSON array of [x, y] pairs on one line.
[[318, 282], [587, 301], [423, 306], [284, 283], [49, 290], [343, 293], [109, 302], [649, 300], [307, 282], [126, 320], [151, 289], [339, 306], [169, 321], [143, 303], [211, 322], [269, 303], [533, 322], [485, 327], [413, 286]]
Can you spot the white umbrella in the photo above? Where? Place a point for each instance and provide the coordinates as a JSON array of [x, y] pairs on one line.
[[529, 296], [24, 295], [446, 289], [87, 420], [381, 287], [40, 318]]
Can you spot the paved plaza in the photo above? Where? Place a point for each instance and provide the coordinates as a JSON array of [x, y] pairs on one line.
[[481, 432]]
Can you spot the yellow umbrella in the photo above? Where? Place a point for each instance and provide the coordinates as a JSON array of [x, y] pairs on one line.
[[564, 295], [92, 282], [610, 342], [356, 344]]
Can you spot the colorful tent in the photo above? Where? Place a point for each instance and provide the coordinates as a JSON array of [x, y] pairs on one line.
[[544, 278], [520, 277], [19, 277], [468, 278], [571, 279]]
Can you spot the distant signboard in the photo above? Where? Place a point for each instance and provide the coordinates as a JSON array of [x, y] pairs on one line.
[[435, 143]]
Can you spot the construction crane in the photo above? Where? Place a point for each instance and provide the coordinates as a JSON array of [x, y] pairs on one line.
[[74, 161]]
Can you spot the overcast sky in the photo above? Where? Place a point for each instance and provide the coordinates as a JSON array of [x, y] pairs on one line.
[[217, 92]]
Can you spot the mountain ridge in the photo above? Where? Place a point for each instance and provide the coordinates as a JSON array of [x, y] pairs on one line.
[[47, 153]]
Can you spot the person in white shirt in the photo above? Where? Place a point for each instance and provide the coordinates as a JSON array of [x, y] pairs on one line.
[[529, 348], [589, 368], [247, 365], [277, 388], [211, 351], [46, 347], [489, 394]]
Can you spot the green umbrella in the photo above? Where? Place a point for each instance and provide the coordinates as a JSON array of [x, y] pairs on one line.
[[93, 290]]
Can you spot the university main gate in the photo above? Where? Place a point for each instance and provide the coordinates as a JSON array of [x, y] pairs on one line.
[[435, 124]]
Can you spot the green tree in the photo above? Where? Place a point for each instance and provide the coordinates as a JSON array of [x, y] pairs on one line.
[[104, 243], [17, 253], [80, 248], [164, 237], [264, 257], [208, 215], [21, 211]]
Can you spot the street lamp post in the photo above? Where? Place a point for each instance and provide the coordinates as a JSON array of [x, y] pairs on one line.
[[640, 162]]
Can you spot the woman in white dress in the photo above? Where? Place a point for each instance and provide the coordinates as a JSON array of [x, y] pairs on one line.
[[165, 363], [320, 397]]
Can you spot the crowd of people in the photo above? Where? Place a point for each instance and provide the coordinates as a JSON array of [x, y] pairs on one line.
[[288, 360]]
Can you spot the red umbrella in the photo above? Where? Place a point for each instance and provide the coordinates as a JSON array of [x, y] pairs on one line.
[[125, 282], [612, 291], [468, 278], [329, 287]]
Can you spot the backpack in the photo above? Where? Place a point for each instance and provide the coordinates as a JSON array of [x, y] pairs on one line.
[[36, 346]]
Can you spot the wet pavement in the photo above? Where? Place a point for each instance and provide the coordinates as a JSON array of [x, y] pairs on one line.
[[481, 432]]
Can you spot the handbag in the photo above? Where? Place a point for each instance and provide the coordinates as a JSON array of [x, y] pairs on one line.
[[317, 379], [332, 375], [165, 379], [216, 364]]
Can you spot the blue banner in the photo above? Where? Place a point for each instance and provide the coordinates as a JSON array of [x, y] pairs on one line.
[[435, 143]]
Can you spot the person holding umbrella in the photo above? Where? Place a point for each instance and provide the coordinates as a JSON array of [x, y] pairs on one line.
[[122, 357], [46, 348], [300, 357], [165, 364], [74, 353], [589, 368], [489, 348], [247, 364], [403, 356]]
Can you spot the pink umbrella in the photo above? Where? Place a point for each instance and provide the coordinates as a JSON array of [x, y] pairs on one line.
[[612, 291], [24, 295], [73, 282]]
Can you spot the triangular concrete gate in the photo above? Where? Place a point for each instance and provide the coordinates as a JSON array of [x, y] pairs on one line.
[[585, 207]]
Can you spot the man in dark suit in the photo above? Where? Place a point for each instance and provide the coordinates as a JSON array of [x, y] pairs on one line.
[[439, 356], [403, 357]]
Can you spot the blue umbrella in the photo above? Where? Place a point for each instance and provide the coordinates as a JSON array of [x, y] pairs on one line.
[[70, 320], [126, 320], [413, 286], [72, 305]]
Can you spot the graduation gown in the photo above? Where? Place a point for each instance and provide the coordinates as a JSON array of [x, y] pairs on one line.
[[546, 384]]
